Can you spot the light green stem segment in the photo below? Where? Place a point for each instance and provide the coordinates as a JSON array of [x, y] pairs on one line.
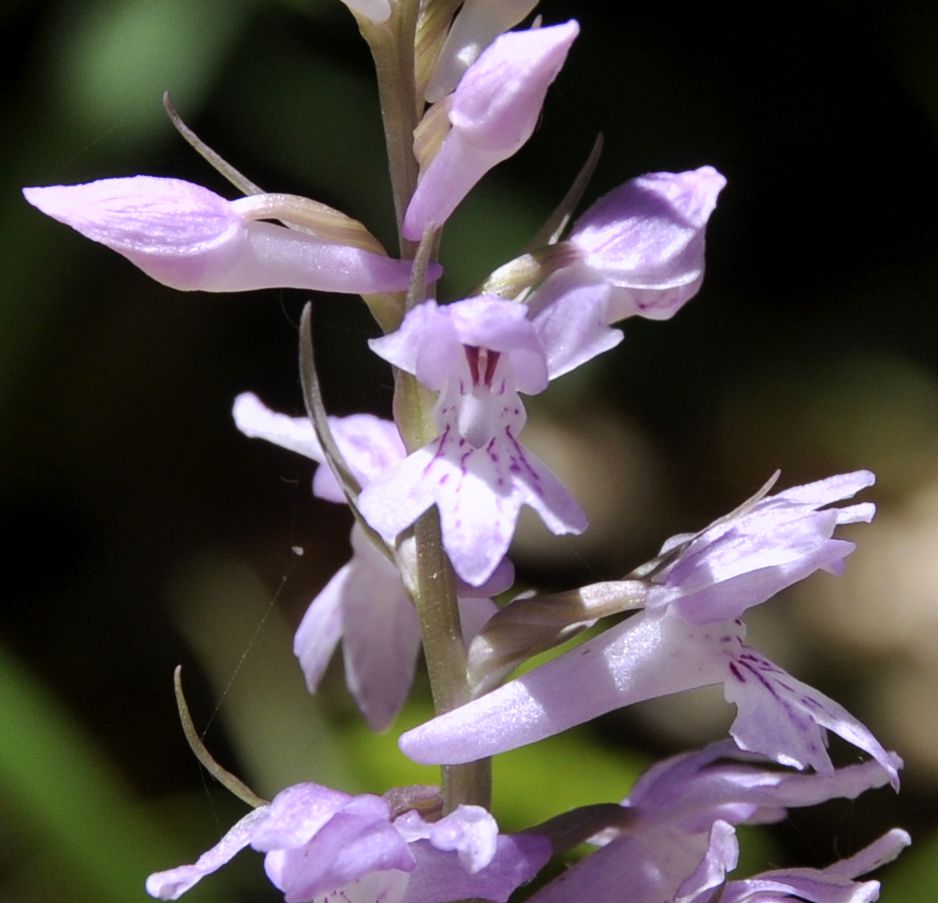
[[392, 48], [446, 655], [434, 588]]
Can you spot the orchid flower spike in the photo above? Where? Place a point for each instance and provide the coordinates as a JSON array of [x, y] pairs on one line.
[[190, 238], [323, 844], [492, 113], [693, 621]]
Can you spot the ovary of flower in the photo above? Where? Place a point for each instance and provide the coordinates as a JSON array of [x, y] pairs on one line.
[[321, 845], [190, 238], [477, 353], [689, 635], [492, 113]]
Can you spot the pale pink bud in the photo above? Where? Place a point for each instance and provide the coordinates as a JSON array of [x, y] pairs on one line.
[[492, 113]]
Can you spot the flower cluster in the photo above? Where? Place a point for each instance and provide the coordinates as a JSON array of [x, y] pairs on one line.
[[436, 495]]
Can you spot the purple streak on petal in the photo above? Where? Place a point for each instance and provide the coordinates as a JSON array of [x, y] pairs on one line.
[[783, 718], [498, 325]]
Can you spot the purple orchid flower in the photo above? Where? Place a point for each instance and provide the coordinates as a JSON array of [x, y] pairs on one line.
[[365, 605], [677, 837], [321, 844], [689, 635], [478, 354], [492, 113], [638, 251], [192, 239]]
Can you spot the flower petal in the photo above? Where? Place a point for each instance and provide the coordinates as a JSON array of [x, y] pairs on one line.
[[646, 238], [172, 884], [569, 316], [321, 628], [783, 718], [382, 634]]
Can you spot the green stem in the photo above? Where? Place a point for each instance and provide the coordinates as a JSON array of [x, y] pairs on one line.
[[392, 48], [434, 583], [446, 655]]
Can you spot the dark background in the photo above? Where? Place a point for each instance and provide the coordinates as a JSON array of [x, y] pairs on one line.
[[141, 530]]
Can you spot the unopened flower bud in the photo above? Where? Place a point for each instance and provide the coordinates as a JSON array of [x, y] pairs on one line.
[[492, 114]]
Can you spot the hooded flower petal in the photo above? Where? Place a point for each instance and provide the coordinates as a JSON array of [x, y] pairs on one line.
[[190, 238], [644, 241], [492, 114], [478, 353], [741, 560]]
